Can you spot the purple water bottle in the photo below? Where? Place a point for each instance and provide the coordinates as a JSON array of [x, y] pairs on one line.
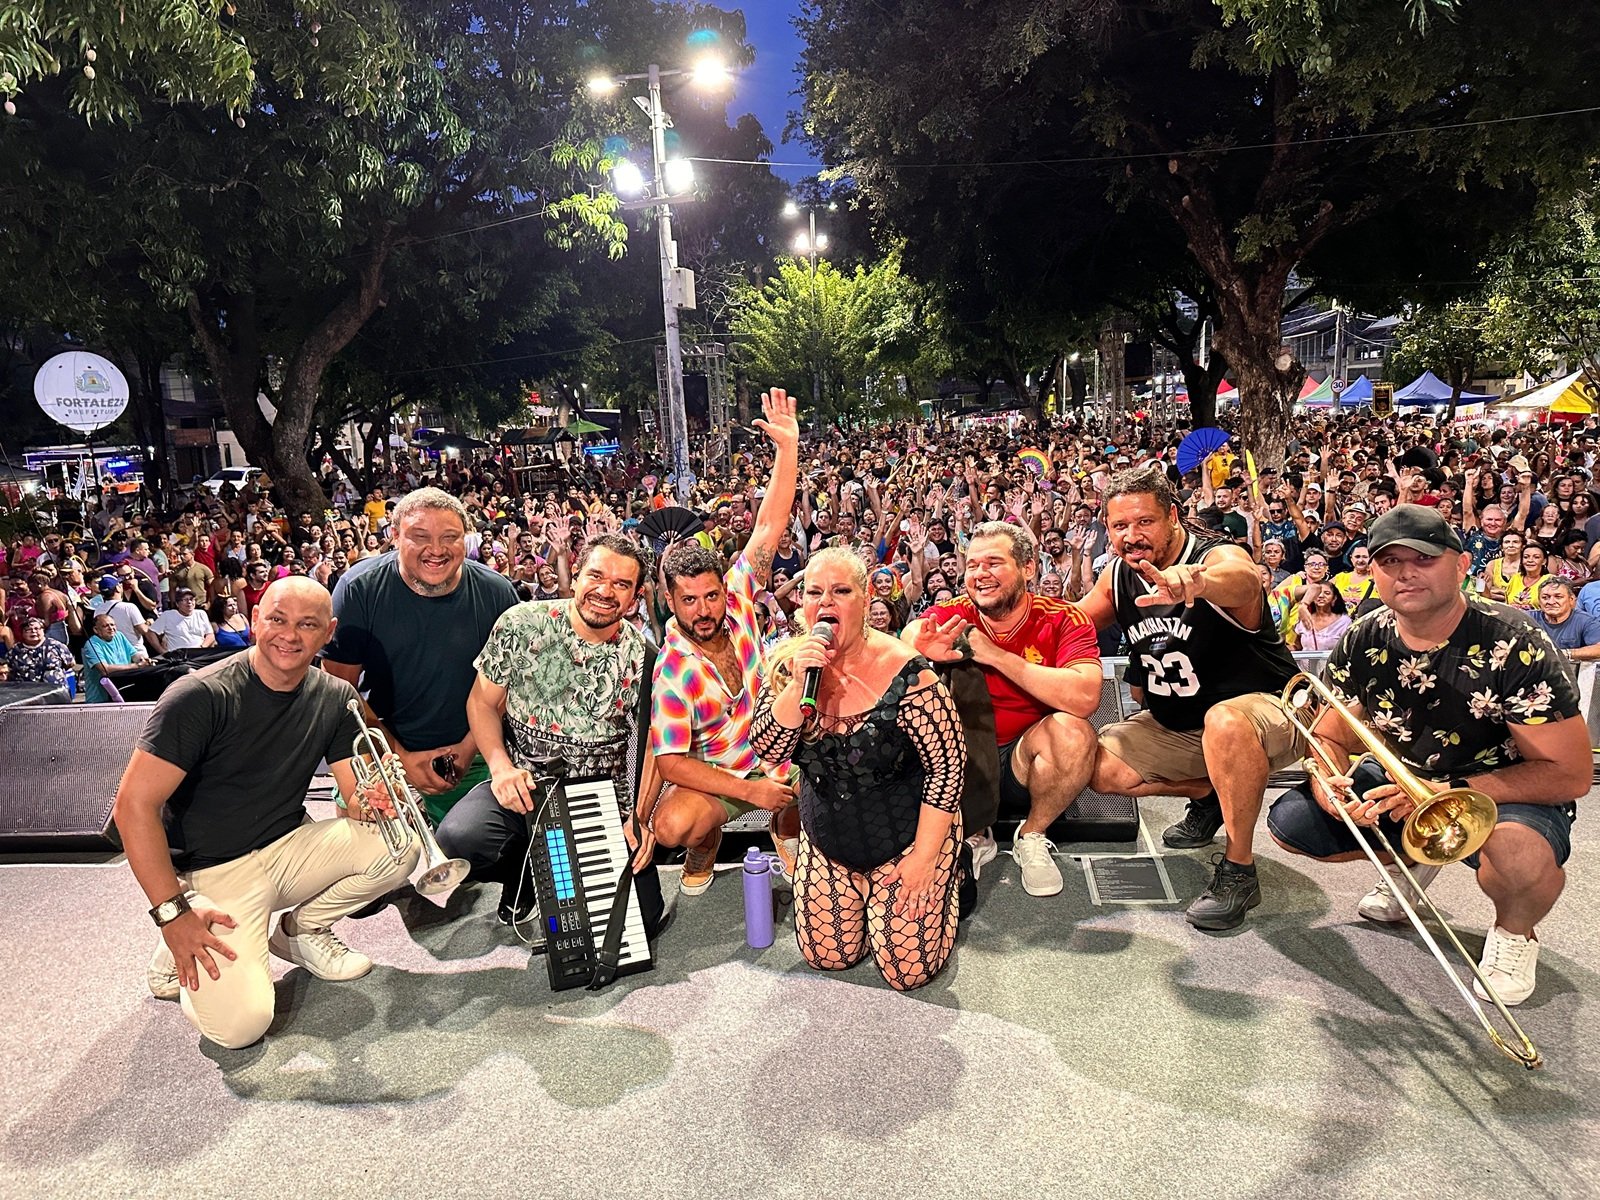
[[757, 899]]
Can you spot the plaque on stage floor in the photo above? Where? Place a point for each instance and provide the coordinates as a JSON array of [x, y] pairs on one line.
[[1127, 879]]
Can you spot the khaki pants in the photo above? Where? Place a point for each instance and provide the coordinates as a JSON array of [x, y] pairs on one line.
[[323, 870], [1162, 755]]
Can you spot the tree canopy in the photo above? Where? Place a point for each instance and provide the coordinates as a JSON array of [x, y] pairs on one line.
[[841, 338], [117, 59], [458, 196], [1367, 149]]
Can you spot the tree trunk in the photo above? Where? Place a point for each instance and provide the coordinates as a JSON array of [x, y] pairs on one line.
[[229, 335], [341, 460], [1268, 374], [1458, 382], [1077, 386], [1201, 383], [1047, 384], [149, 421]]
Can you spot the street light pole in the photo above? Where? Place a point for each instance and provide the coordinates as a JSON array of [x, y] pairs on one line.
[[676, 285], [813, 244], [816, 366], [677, 431]]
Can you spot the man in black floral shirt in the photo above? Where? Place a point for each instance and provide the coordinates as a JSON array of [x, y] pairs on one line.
[[1468, 693]]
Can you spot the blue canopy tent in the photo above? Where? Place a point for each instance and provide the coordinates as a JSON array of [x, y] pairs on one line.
[[1428, 388], [1359, 392]]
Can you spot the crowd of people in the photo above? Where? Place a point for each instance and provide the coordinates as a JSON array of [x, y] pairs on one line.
[[810, 635], [1523, 500]]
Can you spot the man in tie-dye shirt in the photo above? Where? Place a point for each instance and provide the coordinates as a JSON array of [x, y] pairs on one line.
[[708, 674]]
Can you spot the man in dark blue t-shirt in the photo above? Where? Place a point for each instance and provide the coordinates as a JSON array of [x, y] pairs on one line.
[[410, 625]]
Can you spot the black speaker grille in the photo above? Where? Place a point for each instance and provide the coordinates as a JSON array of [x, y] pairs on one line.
[[64, 763]]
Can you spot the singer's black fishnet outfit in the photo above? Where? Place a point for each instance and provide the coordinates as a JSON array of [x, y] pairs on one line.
[[863, 781]]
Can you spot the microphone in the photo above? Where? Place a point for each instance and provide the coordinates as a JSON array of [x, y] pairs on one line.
[[824, 631]]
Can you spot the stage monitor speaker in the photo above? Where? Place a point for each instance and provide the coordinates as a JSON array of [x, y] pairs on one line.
[[64, 763], [1093, 816], [32, 695]]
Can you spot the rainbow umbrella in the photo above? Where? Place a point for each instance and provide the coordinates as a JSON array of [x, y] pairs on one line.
[[1036, 460]]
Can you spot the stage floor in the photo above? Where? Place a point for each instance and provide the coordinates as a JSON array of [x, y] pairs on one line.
[[1069, 1050]]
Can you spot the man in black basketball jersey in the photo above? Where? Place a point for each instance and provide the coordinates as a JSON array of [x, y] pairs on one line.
[[1207, 655]]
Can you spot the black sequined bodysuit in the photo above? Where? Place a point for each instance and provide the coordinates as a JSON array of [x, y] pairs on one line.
[[865, 777]]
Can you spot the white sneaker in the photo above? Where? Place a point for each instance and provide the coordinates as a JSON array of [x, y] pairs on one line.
[[1035, 854], [319, 951], [1380, 903], [984, 850], [1509, 961], [162, 973]]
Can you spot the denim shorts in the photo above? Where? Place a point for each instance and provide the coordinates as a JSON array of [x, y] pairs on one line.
[[1299, 822]]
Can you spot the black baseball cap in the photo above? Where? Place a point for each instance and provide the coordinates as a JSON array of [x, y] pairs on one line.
[[1417, 528]]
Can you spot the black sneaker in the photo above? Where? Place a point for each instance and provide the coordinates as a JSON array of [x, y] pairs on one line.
[[1234, 891], [516, 907], [1199, 825]]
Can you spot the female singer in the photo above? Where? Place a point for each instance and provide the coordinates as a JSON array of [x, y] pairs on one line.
[[881, 760]]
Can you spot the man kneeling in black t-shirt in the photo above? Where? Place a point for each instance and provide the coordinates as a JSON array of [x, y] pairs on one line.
[[223, 764]]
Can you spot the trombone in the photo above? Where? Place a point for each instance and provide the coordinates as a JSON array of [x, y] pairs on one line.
[[1443, 828], [376, 763]]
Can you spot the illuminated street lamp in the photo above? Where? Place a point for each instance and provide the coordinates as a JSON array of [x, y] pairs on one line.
[[671, 180], [807, 245]]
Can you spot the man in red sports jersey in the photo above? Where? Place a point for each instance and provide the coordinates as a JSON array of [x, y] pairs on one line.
[[1042, 664]]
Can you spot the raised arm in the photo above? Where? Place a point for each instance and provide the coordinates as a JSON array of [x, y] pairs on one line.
[[1226, 577], [777, 506]]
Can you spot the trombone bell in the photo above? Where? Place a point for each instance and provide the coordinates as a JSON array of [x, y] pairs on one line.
[[1448, 827], [1444, 827]]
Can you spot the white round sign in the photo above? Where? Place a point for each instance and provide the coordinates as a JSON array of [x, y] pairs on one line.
[[81, 390]]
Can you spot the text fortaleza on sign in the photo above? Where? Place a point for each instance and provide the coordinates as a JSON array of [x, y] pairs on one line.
[[80, 390]]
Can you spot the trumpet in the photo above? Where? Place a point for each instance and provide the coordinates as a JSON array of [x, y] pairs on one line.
[[1444, 827], [376, 763]]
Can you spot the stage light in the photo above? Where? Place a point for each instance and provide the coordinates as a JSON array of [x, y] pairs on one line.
[[679, 173], [628, 178]]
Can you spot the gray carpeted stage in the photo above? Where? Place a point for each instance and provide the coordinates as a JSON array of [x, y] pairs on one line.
[[1069, 1050]]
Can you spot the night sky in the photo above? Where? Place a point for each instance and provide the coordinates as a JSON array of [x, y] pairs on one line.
[[768, 88]]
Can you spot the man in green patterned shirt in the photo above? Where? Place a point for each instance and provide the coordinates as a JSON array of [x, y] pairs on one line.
[[557, 680]]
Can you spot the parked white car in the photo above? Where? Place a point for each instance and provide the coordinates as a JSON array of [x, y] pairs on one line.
[[238, 476]]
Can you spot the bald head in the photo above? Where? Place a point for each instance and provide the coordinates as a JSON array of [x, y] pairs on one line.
[[292, 622], [300, 594]]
